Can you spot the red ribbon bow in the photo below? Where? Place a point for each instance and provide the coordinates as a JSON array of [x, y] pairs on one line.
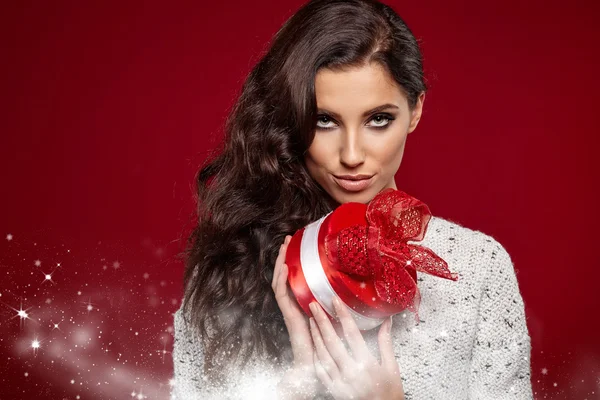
[[381, 251]]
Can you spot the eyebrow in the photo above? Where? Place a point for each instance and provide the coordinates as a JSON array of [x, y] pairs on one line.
[[365, 114]]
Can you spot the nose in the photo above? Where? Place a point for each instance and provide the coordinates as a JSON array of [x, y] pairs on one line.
[[352, 153]]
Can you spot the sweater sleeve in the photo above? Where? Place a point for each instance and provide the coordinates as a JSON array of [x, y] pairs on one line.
[[188, 362], [500, 367]]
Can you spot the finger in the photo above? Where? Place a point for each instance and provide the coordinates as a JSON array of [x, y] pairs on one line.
[[295, 321], [280, 260], [294, 318], [322, 353], [332, 341], [277, 269], [284, 297], [280, 284], [386, 349], [322, 374], [281, 292], [352, 334]]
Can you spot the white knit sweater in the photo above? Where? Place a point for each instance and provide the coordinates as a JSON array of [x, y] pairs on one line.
[[471, 342]]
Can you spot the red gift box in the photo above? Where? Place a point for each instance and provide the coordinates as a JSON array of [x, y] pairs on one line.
[[360, 252]]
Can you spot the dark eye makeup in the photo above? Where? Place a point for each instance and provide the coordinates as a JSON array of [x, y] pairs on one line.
[[378, 118]]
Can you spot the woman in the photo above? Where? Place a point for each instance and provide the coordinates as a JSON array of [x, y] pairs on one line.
[[323, 120]]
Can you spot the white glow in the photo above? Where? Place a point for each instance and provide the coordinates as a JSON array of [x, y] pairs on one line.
[[47, 277], [21, 313]]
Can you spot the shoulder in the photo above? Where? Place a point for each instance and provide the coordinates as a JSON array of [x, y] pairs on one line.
[[442, 231], [471, 253]]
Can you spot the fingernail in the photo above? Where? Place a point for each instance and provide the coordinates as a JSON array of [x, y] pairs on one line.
[[336, 303], [313, 307]]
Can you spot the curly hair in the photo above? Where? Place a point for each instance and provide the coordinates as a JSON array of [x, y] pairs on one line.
[[257, 189]]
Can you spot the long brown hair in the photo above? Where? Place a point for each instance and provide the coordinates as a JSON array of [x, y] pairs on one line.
[[257, 189]]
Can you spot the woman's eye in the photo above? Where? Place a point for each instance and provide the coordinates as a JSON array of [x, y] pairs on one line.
[[381, 120], [324, 120]]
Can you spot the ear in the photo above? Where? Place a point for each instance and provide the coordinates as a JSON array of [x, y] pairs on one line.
[[416, 113]]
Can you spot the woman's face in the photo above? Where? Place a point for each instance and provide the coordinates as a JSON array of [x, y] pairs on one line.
[[362, 124]]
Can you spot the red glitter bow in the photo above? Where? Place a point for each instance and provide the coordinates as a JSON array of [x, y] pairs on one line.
[[380, 250]]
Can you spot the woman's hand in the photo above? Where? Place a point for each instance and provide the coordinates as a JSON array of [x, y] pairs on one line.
[[299, 382], [359, 376]]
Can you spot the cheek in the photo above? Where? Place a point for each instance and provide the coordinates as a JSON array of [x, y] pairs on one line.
[[317, 155], [389, 152]]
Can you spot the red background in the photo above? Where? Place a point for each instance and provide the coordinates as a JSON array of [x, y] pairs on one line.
[[108, 109]]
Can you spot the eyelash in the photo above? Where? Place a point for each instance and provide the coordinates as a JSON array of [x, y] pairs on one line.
[[387, 117]]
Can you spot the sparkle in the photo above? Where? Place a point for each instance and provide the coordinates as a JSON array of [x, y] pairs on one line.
[[89, 305], [163, 352], [21, 313], [35, 345], [544, 371], [9, 237], [87, 355], [48, 277], [408, 262]]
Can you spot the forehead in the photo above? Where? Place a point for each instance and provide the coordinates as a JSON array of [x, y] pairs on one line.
[[356, 88]]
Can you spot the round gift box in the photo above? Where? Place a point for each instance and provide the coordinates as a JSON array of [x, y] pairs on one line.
[[313, 277]]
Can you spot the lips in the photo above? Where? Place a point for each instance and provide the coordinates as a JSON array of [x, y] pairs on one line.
[[353, 183]]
